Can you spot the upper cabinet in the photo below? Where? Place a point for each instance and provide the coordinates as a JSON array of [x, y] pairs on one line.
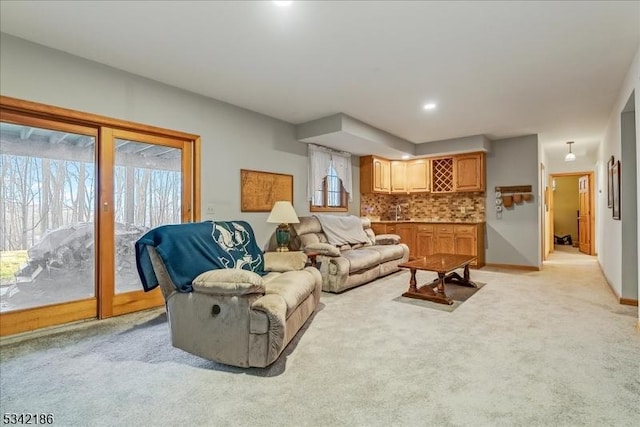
[[468, 172], [399, 176], [418, 176], [463, 173], [442, 175], [375, 175]]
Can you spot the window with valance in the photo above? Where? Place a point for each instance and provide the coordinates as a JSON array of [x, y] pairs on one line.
[[329, 185]]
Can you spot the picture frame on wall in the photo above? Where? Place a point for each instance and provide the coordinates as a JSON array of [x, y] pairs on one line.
[[610, 182], [615, 175]]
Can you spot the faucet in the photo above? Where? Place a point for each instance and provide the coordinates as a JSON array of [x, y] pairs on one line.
[[398, 211]]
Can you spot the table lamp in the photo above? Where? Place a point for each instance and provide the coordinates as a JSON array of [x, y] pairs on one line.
[[283, 213]]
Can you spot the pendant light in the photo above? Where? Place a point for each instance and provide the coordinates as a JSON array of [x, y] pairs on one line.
[[570, 157]]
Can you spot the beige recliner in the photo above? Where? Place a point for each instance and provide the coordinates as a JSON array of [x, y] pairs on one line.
[[230, 315]]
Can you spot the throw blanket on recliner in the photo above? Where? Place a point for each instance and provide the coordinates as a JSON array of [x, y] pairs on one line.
[[342, 230], [193, 248]]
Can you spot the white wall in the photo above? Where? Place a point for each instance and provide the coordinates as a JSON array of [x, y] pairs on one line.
[[515, 237], [610, 242], [232, 138]]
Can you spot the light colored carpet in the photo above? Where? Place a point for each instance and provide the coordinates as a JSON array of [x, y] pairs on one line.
[[549, 348]]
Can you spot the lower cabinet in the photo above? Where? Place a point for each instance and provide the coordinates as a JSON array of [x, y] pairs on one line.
[[445, 241], [379, 228], [407, 235], [426, 239]]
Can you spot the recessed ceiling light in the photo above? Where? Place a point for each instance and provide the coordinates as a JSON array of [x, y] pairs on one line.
[[406, 156], [283, 3], [429, 106]]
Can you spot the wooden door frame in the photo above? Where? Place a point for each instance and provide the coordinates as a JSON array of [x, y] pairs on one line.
[[592, 205]]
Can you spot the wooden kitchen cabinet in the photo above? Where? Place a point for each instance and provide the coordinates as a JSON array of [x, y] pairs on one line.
[[468, 172], [407, 235], [425, 241], [442, 175], [444, 240], [460, 173], [379, 228], [465, 240], [399, 177], [375, 175], [418, 176], [469, 240]]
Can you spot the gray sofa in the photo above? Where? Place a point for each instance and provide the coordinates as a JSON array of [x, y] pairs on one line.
[[351, 264]]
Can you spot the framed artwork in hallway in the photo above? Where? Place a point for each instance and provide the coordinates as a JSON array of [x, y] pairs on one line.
[[615, 177], [610, 182]]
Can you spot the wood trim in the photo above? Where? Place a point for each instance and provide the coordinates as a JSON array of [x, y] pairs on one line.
[[629, 301], [148, 139], [29, 319], [571, 173], [515, 266], [130, 302], [78, 117], [105, 258], [197, 181], [592, 207], [39, 122], [621, 300]]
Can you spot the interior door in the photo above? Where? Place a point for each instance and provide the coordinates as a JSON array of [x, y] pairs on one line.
[[584, 215]]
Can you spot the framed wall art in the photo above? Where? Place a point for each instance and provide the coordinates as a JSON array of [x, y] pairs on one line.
[[260, 190], [610, 182], [615, 177]]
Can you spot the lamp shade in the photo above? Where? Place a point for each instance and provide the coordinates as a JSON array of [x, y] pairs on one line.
[[283, 213]]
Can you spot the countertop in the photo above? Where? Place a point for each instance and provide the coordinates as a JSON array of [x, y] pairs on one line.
[[424, 221]]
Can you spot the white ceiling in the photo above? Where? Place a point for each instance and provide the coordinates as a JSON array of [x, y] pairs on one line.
[[500, 69]]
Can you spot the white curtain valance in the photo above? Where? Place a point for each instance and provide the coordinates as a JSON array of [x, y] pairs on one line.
[[320, 160]]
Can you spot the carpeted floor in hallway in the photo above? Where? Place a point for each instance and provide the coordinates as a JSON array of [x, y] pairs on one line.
[[547, 348]]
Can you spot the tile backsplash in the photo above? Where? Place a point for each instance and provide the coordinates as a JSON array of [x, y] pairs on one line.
[[428, 207]]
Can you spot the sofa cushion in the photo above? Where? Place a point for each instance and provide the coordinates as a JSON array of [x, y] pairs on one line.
[[284, 261], [388, 252], [361, 259], [293, 286]]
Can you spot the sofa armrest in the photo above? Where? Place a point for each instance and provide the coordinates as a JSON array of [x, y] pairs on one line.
[[323, 248], [387, 239], [228, 281], [284, 261]]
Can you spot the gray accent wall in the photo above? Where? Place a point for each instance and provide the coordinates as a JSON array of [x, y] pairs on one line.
[[232, 138], [611, 244], [514, 237], [629, 203]]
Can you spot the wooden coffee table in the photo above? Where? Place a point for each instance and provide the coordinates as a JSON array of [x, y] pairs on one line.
[[441, 264]]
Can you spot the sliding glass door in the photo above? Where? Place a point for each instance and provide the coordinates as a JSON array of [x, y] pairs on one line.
[[74, 199]]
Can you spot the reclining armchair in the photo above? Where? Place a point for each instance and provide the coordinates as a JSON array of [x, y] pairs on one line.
[[226, 301]]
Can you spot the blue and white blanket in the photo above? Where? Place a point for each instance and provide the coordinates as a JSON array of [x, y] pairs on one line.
[[190, 249]]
